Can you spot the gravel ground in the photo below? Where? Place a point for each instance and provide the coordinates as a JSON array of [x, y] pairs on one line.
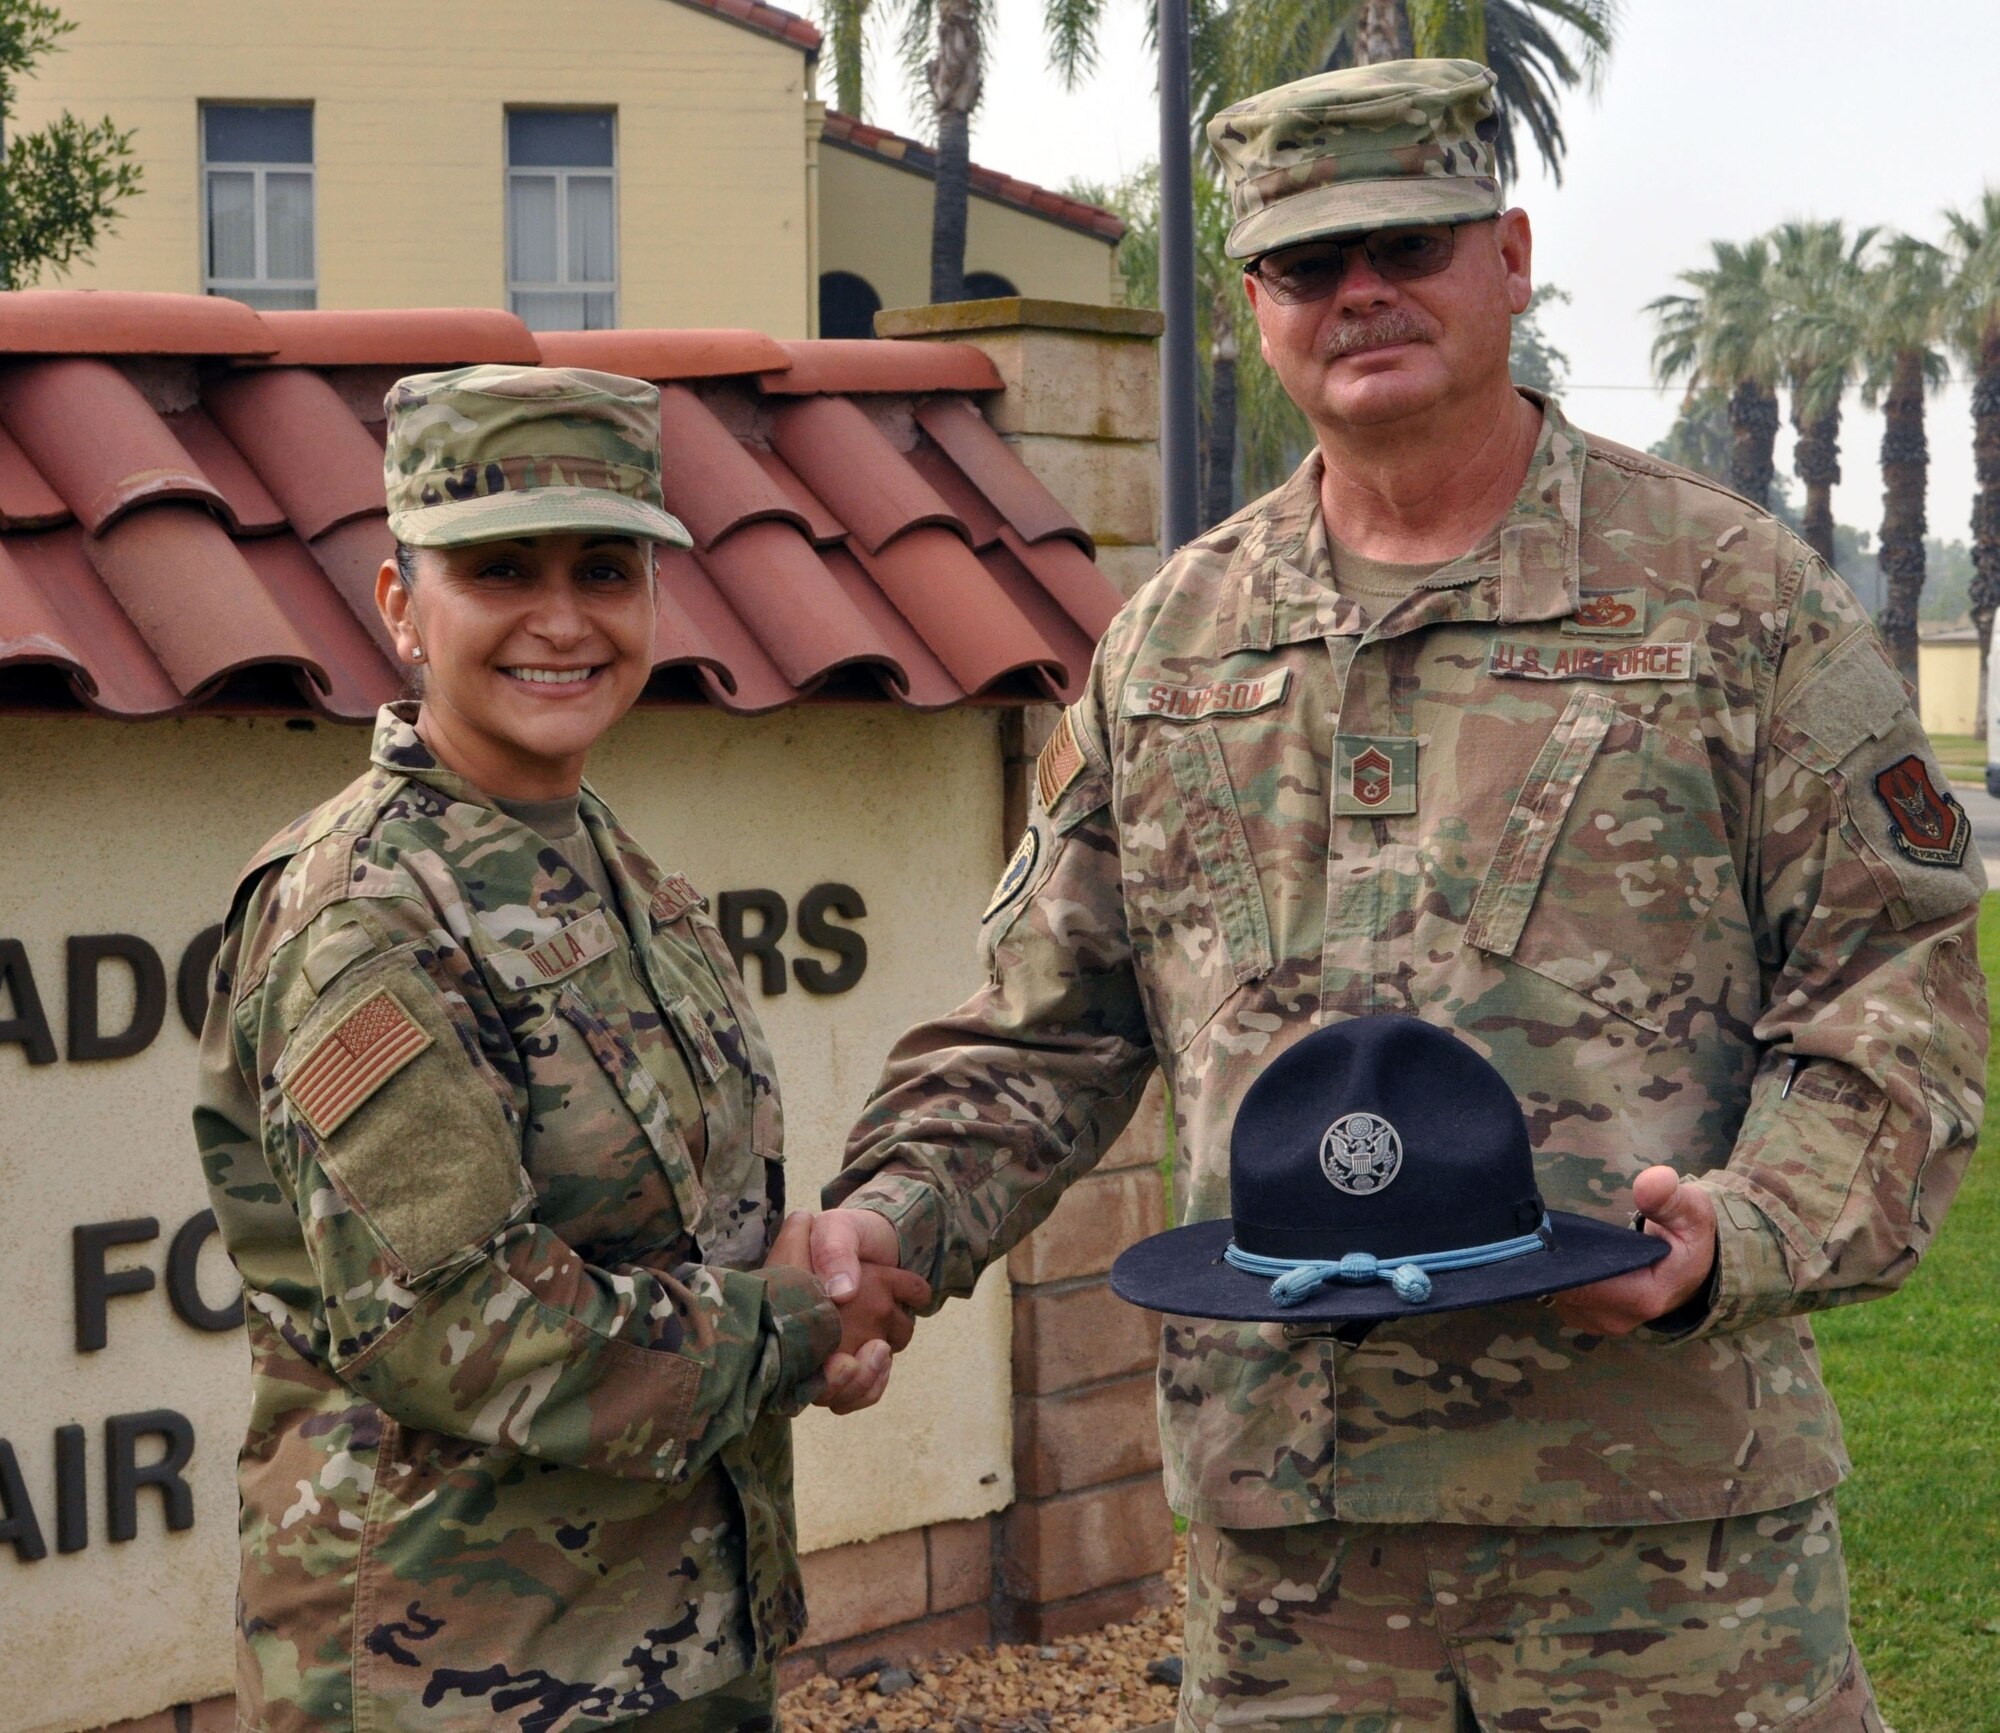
[[1096, 1683]]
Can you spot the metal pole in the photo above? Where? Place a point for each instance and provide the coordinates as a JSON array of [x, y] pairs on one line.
[[1179, 423]]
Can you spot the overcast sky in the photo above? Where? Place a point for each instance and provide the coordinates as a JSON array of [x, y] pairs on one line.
[[1717, 119]]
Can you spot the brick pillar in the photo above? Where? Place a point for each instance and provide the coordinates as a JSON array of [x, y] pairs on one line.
[[1089, 1533]]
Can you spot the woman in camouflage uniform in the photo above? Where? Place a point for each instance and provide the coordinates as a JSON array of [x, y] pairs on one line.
[[493, 1138]]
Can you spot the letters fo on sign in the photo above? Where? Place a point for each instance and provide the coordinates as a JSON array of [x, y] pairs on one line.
[[1179, 702], [1519, 661]]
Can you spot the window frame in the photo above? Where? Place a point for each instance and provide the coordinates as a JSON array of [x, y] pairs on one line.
[[562, 176], [231, 288]]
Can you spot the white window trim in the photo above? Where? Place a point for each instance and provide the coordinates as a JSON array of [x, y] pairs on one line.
[[563, 176], [231, 286]]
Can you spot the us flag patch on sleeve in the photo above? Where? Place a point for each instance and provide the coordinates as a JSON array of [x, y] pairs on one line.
[[353, 1059], [1060, 764]]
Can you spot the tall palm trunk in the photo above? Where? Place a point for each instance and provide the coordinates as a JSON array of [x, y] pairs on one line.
[[955, 76], [1816, 460], [1986, 502], [1753, 429], [1906, 460], [1381, 32], [1220, 498]]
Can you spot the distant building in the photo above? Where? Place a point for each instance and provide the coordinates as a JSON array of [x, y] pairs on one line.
[[639, 163]]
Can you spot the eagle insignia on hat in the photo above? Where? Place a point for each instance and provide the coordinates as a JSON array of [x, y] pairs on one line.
[[1360, 1153]]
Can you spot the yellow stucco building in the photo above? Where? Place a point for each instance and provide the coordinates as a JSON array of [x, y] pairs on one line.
[[642, 163]]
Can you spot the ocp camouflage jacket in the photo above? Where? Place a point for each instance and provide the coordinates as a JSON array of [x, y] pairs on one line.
[[497, 1164], [1628, 797]]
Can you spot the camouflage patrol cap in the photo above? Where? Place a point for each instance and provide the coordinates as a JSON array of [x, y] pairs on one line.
[[481, 454], [1402, 141]]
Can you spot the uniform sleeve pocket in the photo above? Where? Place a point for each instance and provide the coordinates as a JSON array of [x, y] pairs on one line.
[[411, 1137], [1193, 898]]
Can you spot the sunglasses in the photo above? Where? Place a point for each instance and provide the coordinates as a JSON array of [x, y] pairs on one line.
[[1311, 272]]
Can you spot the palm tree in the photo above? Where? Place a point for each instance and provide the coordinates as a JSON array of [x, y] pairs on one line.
[[1538, 49], [1816, 277], [1973, 241], [846, 26], [946, 41], [1904, 298], [1724, 337]]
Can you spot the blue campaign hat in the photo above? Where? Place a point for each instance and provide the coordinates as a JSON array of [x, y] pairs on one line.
[[1378, 1168]]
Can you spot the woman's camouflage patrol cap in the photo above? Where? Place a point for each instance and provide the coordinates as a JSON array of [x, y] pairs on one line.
[[482, 454], [1402, 141]]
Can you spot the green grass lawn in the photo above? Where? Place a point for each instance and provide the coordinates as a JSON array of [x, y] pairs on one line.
[[1963, 756], [1917, 1377]]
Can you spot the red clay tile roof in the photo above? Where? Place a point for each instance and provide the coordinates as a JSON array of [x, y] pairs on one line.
[[191, 512], [769, 20], [920, 158]]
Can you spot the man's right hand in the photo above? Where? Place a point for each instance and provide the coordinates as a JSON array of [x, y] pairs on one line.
[[854, 1253], [845, 1239]]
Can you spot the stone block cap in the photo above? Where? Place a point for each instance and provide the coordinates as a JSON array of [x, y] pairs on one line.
[[1402, 141], [1019, 312]]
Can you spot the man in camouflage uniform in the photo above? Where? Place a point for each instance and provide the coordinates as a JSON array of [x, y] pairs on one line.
[[1582, 756], [493, 1137]]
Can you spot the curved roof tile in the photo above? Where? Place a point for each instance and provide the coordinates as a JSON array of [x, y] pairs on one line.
[[661, 355], [865, 364], [848, 461], [123, 322], [410, 339], [96, 441], [27, 502], [781, 589], [209, 535], [710, 482], [320, 463], [194, 598]]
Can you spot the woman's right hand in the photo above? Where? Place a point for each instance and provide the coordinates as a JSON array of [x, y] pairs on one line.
[[876, 1320]]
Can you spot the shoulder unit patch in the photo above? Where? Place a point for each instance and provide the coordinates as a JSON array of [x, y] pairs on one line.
[[1015, 879], [353, 1059], [1927, 825]]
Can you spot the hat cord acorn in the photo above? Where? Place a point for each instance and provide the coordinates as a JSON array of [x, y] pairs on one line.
[[1299, 1279]]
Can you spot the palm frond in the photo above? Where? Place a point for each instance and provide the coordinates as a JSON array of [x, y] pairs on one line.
[[1070, 29]]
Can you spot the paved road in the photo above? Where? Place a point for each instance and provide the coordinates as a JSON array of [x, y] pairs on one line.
[[1984, 811]]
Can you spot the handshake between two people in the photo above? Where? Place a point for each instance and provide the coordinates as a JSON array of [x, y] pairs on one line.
[[854, 1254]]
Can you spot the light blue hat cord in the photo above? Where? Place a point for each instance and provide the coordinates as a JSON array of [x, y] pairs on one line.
[[1300, 1278]]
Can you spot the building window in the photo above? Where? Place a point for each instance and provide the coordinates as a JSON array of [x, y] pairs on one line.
[[987, 286], [257, 204], [562, 219], [847, 305]]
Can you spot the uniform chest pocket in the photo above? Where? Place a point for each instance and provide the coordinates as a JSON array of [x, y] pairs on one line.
[[1193, 902], [1613, 859]]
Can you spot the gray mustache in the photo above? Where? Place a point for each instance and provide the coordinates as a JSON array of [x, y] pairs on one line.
[[1395, 325]]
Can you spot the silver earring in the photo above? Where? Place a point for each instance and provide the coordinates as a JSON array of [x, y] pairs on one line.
[[417, 655]]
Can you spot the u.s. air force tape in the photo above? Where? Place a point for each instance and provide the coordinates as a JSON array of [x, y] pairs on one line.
[[1015, 879]]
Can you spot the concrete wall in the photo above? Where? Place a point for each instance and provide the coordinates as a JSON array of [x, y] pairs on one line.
[[875, 220], [409, 126], [1948, 687], [128, 828]]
